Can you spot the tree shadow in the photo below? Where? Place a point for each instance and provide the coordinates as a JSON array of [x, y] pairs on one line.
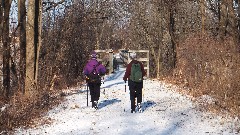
[[72, 92], [105, 103], [115, 75], [110, 85], [180, 118]]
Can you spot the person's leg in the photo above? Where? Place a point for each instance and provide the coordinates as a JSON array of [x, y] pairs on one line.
[[133, 106], [139, 97], [139, 101], [91, 88], [97, 92], [132, 98], [96, 95], [132, 88]]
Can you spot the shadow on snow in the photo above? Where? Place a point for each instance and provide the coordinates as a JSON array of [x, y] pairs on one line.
[[110, 85], [105, 103], [114, 76], [147, 104]]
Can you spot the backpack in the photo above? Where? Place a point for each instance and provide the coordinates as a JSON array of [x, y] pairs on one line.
[[94, 77], [136, 72]]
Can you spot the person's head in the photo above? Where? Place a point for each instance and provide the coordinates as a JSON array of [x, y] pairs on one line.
[[93, 54], [133, 55]]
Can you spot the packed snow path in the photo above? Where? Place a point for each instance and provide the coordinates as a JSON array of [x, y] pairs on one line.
[[165, 113]]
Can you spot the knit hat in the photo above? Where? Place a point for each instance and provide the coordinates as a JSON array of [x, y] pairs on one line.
[[93, 54], [133, 55]]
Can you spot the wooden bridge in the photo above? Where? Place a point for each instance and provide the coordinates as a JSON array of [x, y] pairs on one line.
[[122, 56]]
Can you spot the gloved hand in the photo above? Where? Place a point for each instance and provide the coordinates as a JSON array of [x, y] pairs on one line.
[[86, 77], [101, 74], [125, 79]]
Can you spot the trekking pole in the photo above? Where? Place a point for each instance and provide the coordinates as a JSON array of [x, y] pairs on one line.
[[125, 86], [143, 92], [125, 92], [103, 79], [87, 94]]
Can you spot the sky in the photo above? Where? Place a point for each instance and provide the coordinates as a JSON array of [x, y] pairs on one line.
[[165, 112], [13, 22], [13, 15]]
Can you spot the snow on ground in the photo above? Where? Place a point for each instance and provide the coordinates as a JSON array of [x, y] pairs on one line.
[[165, 113]]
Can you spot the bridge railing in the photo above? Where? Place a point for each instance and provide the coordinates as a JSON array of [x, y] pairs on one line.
[[106, 57], [144, 58]]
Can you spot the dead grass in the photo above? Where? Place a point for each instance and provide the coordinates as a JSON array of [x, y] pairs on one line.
[[27, 111], [208, 66]]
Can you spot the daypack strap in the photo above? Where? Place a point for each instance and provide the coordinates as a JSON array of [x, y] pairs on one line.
[[94, 77], [94, 68]]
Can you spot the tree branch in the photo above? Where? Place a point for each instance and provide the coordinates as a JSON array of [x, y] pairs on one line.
[[52, 4]]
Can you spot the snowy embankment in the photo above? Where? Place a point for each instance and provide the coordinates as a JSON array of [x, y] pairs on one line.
[[165, 113]]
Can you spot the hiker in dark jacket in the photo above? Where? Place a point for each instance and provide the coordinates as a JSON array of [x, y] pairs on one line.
[[94, 84], [134, 87]]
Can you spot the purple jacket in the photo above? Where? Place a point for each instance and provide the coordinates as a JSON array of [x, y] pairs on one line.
[[90, 65]]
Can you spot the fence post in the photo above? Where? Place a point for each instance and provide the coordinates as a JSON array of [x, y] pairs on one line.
[[110, 61], [148, 64]]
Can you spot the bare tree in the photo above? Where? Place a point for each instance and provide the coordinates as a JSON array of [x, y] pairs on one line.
[[232, 17], [6, 47], [1, 19], [1, 32], [32, 38], [39, 36], [171, 29], [223, 18], [228, 20], [203, 15], [238, 17], [22, 39]]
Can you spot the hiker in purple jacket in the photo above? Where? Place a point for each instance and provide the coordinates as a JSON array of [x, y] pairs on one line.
[[93, 72]]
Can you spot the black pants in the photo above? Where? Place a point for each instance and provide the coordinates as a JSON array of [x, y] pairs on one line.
[[94, 91], [135, 92]]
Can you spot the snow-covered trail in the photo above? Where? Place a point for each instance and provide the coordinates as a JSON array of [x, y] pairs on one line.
[[165, 113]]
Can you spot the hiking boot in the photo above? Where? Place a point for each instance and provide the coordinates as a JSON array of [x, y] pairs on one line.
[[96, 105], [139, 107], [132, 111]]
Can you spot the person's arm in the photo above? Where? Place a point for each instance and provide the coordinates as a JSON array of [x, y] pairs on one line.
[[85, 70], [102, 70], [142, 68], [128, 72]]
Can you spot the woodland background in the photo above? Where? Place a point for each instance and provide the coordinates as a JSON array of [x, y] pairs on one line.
[[45, 44]]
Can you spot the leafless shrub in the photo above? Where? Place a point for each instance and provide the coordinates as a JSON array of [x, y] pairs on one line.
[[22, 110], [64, 48], [211, 67]]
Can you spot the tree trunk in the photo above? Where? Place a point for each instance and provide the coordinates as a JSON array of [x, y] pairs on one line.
[[160, 36], [39, 37], [22, 39], [223, 18], [232, 21], [6, 48], [173, 40], [31, 45], [1, 29], [203, 15], [238, 20], [1, 20], [95, 7]]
